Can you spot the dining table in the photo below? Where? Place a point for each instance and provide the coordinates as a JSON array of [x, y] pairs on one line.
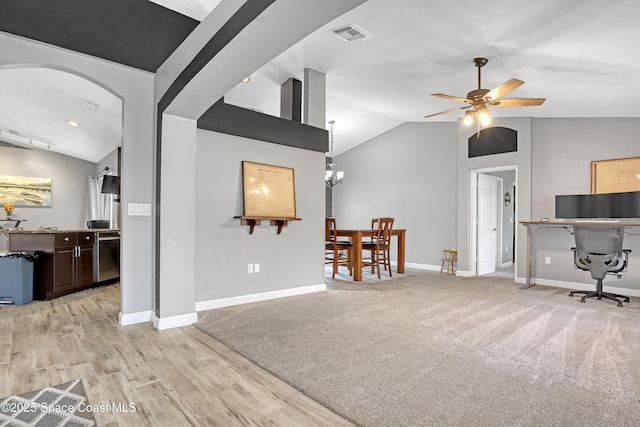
[[356, 236]]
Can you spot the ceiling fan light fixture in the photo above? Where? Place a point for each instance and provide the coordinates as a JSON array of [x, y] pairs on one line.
[[468, 118], [484, 117], [480, 99]]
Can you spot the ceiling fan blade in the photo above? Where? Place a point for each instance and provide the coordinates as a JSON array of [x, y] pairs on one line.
[[448, 111], [518, 102], [455, 98], [503, 89]]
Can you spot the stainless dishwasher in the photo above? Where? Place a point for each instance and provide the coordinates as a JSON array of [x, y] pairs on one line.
[[106, 257]]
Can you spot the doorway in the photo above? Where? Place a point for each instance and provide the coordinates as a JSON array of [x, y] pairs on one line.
[[493, 219]]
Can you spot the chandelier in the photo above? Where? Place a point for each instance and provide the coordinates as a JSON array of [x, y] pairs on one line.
[[331, 177]]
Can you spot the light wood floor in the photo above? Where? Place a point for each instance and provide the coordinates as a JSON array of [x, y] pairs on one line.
[[174, 377]]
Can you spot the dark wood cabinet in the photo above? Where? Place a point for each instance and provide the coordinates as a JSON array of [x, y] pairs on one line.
[[65, 264]]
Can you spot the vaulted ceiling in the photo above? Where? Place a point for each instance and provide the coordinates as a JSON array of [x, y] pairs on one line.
[[575, 53]]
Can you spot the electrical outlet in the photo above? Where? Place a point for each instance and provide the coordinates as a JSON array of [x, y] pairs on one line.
[[547, 260], [256, 268], [250, 268]]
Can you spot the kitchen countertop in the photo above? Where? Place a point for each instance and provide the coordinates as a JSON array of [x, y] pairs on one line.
[[94, 230]]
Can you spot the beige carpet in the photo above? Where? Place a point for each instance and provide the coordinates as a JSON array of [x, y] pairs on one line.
[[428, 349]]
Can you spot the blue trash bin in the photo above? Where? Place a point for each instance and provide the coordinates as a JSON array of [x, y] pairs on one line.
[[16, 277]]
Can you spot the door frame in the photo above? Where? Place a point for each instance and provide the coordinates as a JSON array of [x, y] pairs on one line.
[[473, 214]]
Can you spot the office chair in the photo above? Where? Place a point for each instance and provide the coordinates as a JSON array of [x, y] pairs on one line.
[[599, 251]]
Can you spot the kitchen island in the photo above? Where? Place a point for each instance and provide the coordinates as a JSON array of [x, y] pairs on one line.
[[65, 263]]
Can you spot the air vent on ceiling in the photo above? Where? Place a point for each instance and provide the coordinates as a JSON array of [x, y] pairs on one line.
[[90, 105], [350, 33]]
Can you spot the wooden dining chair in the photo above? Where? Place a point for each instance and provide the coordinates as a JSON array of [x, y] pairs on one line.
[[450, 258], [379, 247], [333, 248], [372, 239]]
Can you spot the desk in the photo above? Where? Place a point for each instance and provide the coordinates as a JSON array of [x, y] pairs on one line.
[[355, 236], [533, 226]]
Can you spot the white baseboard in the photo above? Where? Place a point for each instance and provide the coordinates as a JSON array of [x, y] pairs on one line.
[[264, 296], [418, 266], [133, 318], [580, 286], [430, 267], [161, 323], [463, 273], [506, 264]]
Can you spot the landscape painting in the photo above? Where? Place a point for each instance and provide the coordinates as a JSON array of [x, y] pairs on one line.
[[25, 191]]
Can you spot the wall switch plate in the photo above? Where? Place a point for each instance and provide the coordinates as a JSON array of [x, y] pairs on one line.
[[250, 268], [139, 209], [256, 268], [547, 260]]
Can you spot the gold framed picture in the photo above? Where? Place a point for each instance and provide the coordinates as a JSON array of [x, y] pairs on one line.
[[615, 175], [268, 191]]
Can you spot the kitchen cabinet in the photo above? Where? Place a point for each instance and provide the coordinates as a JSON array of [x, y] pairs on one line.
[[66, 262]]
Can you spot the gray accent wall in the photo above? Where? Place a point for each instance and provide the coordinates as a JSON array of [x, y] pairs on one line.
[[135, 88], [465, 165], [68, 186], [562, 152], [408, 173], [224, 247]]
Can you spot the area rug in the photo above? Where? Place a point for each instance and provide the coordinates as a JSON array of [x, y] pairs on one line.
[[444, 350], [62, 405]]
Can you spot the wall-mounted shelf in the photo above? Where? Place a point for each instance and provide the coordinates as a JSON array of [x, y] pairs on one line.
[[252, 221]]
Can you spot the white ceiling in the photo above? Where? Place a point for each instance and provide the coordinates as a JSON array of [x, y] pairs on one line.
[[36, 104], [575, 53]]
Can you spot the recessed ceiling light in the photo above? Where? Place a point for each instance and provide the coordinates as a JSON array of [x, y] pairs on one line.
[[73, 123], [246, 80]]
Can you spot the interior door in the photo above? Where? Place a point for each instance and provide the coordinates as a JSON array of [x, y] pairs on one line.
[[487, 223]]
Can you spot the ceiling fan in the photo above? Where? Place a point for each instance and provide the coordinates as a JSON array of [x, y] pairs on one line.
[[480, 99]]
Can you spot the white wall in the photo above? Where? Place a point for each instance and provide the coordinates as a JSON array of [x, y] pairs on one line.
[[224, 247], [408, 173]]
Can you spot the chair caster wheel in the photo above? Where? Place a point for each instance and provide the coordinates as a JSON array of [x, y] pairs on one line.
[[570, 294], [599, 298], [582, 300], [620, 304], [626, 300]]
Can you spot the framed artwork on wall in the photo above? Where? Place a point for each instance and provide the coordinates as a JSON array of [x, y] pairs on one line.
[[615, 175], [25, 191], [268, 191]]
